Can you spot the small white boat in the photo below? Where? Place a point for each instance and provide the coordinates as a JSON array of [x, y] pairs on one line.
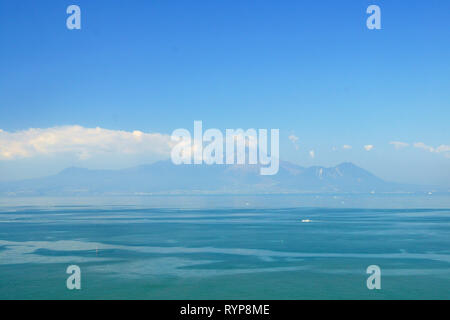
[[306, 220]]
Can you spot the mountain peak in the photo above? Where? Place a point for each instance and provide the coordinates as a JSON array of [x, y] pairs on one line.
[[347, 165]]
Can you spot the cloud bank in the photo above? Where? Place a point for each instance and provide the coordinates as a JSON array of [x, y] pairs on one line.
[[440, 149], [82, 142], [443, 148]]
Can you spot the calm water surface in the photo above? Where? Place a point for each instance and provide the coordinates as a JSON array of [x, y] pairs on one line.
[[246, 247]]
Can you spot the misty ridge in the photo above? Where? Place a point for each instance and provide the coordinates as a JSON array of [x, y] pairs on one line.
[[164, 177]]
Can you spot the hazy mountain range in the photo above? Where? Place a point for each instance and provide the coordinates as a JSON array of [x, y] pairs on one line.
[[166, 178]]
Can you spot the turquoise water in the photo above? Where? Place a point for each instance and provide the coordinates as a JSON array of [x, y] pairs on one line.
[[248, 247]]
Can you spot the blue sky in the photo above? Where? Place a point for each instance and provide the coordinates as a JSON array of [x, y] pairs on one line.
[[310, 68]]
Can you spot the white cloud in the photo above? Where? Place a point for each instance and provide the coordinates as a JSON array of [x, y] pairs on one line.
[[312, 154], [346, 146], [294, 140], [443, 148], [399, 144], [81, 142], [422, 145], [368, 147]]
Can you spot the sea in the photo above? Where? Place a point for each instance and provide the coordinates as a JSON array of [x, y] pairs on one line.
[[307, 246]]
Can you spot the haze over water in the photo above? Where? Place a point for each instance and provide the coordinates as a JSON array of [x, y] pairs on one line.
[[230, 247]]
